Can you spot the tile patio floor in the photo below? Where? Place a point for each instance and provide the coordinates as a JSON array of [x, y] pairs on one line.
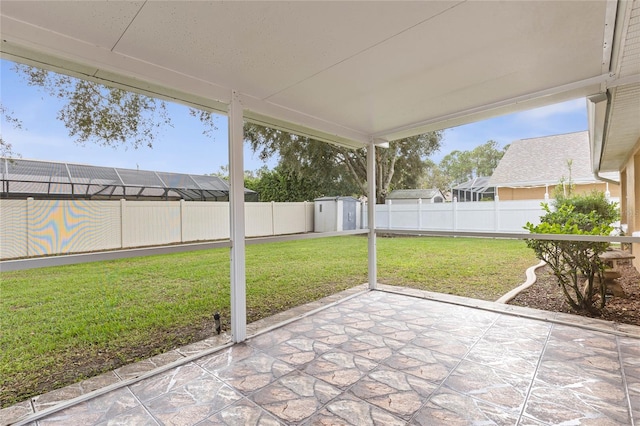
[[382, 358]]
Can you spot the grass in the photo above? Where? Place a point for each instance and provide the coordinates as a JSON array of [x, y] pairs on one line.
[[62, 324]]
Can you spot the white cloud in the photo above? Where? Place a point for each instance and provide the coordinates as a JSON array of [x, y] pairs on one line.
[[545, 112]]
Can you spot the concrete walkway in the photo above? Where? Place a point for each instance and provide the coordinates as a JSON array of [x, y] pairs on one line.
[[392, 357]]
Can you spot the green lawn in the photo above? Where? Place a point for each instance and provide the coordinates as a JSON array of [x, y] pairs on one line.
[[62, 324]]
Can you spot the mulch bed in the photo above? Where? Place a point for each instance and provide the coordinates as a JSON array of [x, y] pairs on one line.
[[546, 294]]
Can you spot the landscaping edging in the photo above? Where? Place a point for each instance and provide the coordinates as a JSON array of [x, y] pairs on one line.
[[531, 278]]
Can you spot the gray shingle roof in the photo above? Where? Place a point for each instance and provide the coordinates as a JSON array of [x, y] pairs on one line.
[[413, 194], [543, 161]]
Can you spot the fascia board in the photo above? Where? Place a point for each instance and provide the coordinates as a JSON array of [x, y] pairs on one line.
[[540, 98]]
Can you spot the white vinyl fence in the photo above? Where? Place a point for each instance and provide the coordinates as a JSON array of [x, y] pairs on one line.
[[481, 216], [43, 227]]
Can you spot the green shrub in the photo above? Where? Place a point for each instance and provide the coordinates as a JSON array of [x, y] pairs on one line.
[[576, 262]]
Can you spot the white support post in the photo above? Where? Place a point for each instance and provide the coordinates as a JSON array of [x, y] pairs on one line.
[[371, 215], [237, 231], [419, 213]]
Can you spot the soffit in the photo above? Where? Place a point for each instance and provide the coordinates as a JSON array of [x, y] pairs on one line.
[[623, 126], [346, 71]]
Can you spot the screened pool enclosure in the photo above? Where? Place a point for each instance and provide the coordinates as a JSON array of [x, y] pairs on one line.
[[53, 180]]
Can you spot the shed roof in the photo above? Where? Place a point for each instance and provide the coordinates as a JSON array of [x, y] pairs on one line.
[[544, 161], [414, 194], [337, 198]]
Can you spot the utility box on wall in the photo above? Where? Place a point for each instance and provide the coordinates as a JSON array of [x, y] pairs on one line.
[[335, 214]]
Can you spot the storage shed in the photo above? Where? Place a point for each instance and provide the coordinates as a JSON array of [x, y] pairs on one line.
[[335, 214]]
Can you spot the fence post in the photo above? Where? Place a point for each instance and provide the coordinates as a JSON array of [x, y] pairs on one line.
[[388, 204], [29, 214], [273, 218], [419, 213], [365, 215], [496, 219], [122, 208], [304, 208], [454, 211], [181, 220]]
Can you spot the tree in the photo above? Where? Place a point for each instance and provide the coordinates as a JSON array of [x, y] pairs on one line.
[[6, 149], [107, 116], [434, 177], [113, 117], [575, 262], [345, 170], [281, 185], [461, 166]]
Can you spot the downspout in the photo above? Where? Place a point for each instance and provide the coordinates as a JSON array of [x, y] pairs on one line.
[[598, 112]]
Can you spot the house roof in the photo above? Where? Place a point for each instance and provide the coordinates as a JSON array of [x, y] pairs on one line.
[[414, 194], [544, 161]]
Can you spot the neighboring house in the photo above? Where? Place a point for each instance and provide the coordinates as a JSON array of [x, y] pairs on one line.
[[531, 168], [476, 189], [411, 196]]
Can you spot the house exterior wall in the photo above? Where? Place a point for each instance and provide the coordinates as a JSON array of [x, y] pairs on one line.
[[630, 199], [512, 194]]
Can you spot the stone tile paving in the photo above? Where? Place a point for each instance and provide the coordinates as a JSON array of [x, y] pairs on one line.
[[389, 359]]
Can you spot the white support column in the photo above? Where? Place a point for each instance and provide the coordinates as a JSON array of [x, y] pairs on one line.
[[236, 206], [371, 215]]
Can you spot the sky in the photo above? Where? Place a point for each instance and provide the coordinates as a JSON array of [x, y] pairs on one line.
[[184, 149]]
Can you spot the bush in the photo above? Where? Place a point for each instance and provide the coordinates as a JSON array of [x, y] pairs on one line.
[[575, 262]]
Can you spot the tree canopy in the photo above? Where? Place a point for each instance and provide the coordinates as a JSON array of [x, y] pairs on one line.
[[96, 113], [343, 171], [113, 117], [461, 166]]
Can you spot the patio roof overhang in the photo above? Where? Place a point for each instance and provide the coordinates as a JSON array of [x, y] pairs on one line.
[[345, 72]]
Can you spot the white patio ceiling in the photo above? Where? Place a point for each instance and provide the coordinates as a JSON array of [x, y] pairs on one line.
[[346, 71]]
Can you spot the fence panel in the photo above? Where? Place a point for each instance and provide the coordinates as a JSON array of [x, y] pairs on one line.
[[13, 228], [72, 226], [403, 216], [476, 216], [258, 219], [515, 214], [289, 218], [437, 217], [203, 221], [147, 223], [482, 216]]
